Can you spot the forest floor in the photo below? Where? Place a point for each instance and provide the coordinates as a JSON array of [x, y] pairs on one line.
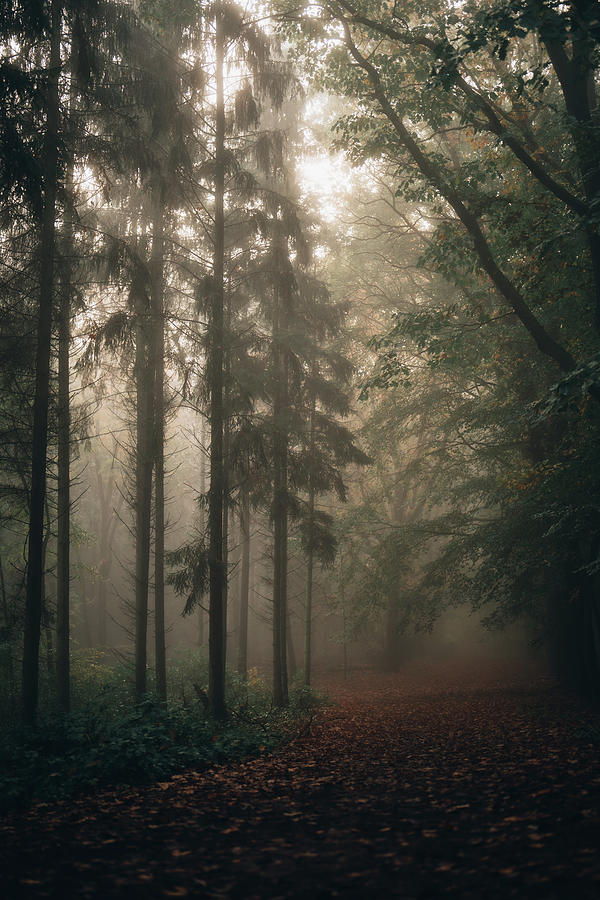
[[471, 782]]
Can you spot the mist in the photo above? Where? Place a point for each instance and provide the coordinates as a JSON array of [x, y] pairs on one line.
[[300, 342]]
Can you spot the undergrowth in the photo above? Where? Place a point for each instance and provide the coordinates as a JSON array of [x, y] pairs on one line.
[[107, 740]]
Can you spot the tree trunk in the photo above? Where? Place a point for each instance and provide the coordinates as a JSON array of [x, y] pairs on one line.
[[308, 619], [217, 636], [143, 489], [87, 639], [46, 615], [226, 457], [6, 634], [575, 73], [344, 620], [291, 649], [50, 652], [202, 527], [225, 534], [109, 518], [310, 553], [64, 504], [242, 665], [279, 588], [64, 451], [157, 275], [279, 513], [35, 565]]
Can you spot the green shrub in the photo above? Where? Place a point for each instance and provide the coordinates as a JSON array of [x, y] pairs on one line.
[[108, 740]]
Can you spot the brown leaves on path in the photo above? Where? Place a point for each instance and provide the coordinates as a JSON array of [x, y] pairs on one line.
[[442, 783]]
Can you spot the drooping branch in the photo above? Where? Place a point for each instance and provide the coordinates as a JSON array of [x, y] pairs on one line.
[[508, 290], [572, 201]]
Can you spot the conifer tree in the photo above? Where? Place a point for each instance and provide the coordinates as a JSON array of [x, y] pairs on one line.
[[328, 445], [47, 250], [51, 39], [216, 496], [232, 36], [149, 170], [303, 444]]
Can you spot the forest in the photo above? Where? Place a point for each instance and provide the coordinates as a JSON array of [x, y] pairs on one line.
[[300, 420]]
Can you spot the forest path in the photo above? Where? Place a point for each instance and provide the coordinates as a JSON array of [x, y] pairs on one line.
[[450, 782]]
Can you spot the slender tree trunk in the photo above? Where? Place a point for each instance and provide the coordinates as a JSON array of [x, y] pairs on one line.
[[217, 574], [157, 274], [202, 473], [46, 616], [87, 640], [308, 614], [101, 605], [291, 649], [143, 489], [226, 518], [50, 652], [109, 518], [310, 553], [104, 494], [8, 635], [280, 513], [35, 565], [284, 540], [242, 665], [64, 505], [226, 461], [64, 451], [344, 619], [279, 580], [391, 640]]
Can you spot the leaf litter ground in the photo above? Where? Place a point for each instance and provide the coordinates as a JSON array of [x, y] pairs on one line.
[[458, 782]]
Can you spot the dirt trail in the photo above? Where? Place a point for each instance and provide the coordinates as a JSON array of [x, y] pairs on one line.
[[459, 783]]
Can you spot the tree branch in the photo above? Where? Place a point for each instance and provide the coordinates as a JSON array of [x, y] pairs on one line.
[[544, 341]]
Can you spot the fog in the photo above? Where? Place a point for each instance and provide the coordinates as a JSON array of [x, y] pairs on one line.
[[299, 429], [299, 354]]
